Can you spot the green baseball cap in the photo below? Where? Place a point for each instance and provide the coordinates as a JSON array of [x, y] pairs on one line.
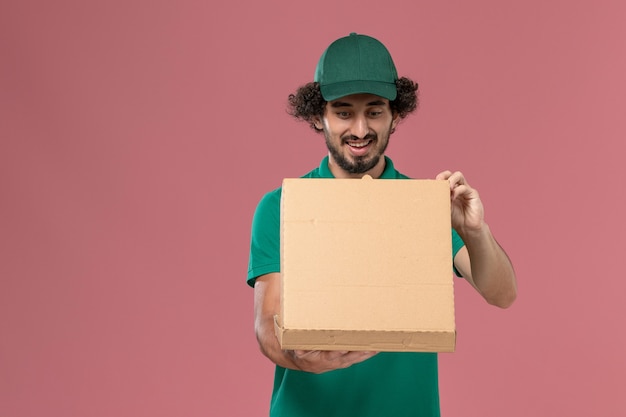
[[356, 64]]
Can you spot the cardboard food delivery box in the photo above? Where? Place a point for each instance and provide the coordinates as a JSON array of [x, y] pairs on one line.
[[366, 265]]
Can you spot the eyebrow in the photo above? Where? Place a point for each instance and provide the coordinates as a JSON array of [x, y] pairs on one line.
[[336, 104]]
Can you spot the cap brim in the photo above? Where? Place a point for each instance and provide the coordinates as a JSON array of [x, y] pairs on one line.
[[334, 91]]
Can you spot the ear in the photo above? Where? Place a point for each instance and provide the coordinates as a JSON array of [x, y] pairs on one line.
[[317, 122], [395, 121]]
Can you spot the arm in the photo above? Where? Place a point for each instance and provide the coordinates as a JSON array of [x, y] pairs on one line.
[[482, 262], [266, 305]]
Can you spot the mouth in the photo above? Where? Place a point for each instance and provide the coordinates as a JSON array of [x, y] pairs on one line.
[[358, 143], [359, 147]]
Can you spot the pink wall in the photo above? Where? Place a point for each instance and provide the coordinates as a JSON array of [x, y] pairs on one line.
[[137, 136]]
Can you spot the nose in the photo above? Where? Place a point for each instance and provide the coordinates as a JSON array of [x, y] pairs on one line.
[[360, 127]]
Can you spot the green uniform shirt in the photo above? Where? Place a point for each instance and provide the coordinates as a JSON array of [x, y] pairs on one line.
[[388, 384]]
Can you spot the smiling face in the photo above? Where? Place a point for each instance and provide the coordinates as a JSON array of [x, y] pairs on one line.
[[357, 130]]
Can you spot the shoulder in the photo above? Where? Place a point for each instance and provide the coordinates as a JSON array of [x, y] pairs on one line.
[[272, 196], [269, 203], [391, 172]]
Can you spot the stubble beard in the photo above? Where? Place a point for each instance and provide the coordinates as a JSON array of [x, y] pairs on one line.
[[357, 164]]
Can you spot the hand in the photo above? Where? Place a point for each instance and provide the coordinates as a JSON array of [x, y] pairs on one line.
[[318, 361], [467, 209]]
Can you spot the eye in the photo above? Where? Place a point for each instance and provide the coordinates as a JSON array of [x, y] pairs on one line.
[[376, 113], [343, 114]]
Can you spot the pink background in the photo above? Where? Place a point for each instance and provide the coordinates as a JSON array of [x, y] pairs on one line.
[[136, 138]]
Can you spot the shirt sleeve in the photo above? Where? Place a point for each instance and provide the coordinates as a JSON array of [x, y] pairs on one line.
[[265, 238], [457, 244]]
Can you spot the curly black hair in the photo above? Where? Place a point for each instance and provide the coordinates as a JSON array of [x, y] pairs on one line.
[[307, 102]]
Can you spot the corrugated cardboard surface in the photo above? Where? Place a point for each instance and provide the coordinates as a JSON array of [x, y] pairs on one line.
[[366, 265]]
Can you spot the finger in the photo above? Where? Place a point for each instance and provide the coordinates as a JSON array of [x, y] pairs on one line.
[[443, 175], [366, 355], [304, 353], [457, 179], [332, 355], [351, 358], [461, 190], [357, 356], [466, 193]]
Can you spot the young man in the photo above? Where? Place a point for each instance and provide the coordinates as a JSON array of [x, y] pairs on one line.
[[356, 101]]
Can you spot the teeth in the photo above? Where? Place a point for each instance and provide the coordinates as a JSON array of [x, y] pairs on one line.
[[359, 144]]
